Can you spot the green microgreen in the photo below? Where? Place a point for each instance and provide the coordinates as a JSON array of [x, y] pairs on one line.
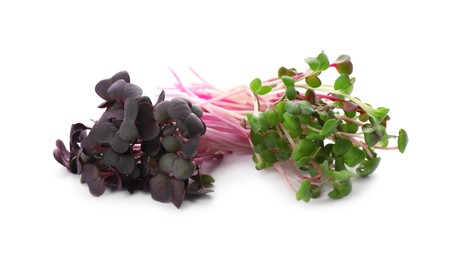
[[315, 135]]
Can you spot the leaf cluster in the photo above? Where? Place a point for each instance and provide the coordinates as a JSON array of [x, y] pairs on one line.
[[138, 145], [328, 139]]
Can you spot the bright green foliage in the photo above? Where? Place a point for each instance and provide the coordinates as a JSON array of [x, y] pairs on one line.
[[330, 138], [303, 193], [259, 89]]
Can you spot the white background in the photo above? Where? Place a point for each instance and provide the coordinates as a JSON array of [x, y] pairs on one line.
[[53, 53]]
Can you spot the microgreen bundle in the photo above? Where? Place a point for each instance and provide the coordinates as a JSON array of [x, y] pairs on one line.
[[315, 135], [136, 145]]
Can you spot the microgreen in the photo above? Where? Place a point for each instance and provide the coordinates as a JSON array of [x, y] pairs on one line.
[[136, 145], [319, 137]]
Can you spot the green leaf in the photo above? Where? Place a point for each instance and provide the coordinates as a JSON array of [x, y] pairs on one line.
[[329, 127], [207, 179], [258, 122], [343, 65], [306, 107], [324, 153], [350, 127], [368, 167], [340, 190], [286, 72], [313, 135], [288, 81], [256, 138], [269, 157], [291, 93], [255, 85], [354, 156], [341, 147], [313, 81], [292, 123], [284, 150], [271, 117], [304, 148], [271, 138], [339, 164], [293, 108], [342, 82], [340, 175], [363, 117], [377, 115], [259, 162], [371, 138], [257, 88], [313, 63], [403, 139], [311, 169], [280, 109], [323, 61], [303, 193]]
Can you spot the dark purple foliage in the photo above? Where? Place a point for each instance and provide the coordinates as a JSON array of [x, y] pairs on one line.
[[137, 146]]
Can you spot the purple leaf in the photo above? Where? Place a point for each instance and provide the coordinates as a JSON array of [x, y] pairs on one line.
[[119, 145], [144, 100], [117, 114], [90, 175], [151, 147], [103, 85], [177, 192], [160, 188], [103, 133], [190, 148], [183, 168], [160, 113], [128, 130], [179, 108], [194, 126], [161, 97], [76, 135], [121, 90], [164, 188], [147, 127], [130, 109], [124, 163], [61, 154], [165, 162], [89, 145]]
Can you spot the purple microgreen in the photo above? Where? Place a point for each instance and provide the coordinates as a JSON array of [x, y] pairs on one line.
[[103, 133], [123, 162], [61, 154], [103, 85], [91, 176], [122, 90], [164, 188], [148, 128], [178, 108], [118, 144]]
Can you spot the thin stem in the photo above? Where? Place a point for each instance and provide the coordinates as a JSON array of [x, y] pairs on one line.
[[287, 135], [218, 98], [358, 143], [386, 148], [348, 119], [282, 172]]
